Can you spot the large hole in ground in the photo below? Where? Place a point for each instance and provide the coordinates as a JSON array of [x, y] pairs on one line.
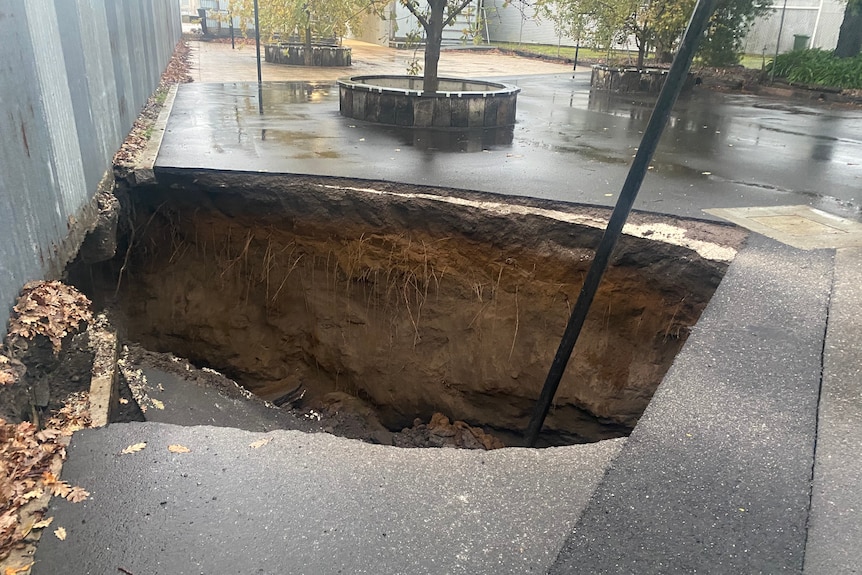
[[412, 300]]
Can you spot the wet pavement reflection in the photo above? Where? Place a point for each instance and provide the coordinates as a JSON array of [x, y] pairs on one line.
[[719, 150]]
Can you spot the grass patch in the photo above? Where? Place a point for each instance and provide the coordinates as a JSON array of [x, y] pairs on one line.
[[626, 57], [568, 52]]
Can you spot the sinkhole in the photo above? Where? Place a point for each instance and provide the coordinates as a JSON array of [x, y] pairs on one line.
[[413, 301]]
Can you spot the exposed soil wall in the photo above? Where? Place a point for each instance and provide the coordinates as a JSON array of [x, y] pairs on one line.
[[412, 304]]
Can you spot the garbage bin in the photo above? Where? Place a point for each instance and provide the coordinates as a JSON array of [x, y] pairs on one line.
[[800, 41]]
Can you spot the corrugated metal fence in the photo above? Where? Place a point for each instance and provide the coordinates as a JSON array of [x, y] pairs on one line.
[[74, 74]]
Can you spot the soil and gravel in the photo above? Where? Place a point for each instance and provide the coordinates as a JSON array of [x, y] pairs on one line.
[[409, 304]]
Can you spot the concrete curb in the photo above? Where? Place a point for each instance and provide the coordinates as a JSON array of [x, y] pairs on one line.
[[104, 394], [143, 169]]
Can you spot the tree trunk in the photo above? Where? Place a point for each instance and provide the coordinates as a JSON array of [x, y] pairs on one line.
[[641, 56], [309, 53], [433, 39], [850, 35]]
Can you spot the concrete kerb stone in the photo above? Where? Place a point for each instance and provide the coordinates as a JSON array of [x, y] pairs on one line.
[[143, 170], [104, 393]]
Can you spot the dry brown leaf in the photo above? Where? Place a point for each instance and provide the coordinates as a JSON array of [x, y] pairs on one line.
[[177, 448], [49, 479], [134, 448], [124, 401], [260, 443], [60, 532], [33, 494], [61, 489], [157, 404], [44, 523], [48, 434], [17, 570], [77, 494], [8, 522], [6, 378]]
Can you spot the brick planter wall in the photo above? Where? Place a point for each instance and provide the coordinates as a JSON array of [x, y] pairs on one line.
[[294, 55], [648, 80], [400, 101]]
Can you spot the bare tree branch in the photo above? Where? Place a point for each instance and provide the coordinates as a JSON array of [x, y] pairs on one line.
[[414, 9], [454, 13]]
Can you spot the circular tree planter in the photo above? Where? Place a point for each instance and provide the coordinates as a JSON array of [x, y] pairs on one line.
[[293, 54], [400, 101], [644, 80]]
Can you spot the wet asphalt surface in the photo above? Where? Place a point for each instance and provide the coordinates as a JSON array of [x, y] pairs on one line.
[[719, 150]]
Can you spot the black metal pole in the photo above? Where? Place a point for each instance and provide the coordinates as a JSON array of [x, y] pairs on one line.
[[667, 98], [257, 46], [778, 43], [577, 48]]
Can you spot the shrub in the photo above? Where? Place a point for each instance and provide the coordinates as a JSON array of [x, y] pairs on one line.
[[818, 68]]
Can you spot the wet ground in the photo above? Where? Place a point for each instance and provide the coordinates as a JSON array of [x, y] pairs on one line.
[[719, 150]]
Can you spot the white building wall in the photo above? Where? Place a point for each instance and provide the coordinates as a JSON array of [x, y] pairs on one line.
[[820, 20], [518, 23]]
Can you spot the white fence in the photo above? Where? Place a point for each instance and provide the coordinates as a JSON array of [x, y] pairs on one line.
[[819, 20]]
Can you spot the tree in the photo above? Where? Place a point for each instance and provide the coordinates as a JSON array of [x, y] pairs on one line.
[[433, 18], [305, 18], [850, 34], [567, 16], [659, 24], [652, 23], [727, 29]]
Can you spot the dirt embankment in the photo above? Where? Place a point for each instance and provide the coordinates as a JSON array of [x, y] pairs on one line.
[[414, 306]]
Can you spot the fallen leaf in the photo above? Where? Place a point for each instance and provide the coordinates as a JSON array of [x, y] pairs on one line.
[[77, 494], [124, 401], [33, 494], [60, 489], [260, 443], [176, 448], [157, 404], [16, 570], [134, 448], [60, 532], [42, 524]]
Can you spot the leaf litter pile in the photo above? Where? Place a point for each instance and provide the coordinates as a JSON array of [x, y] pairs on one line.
[[30, 460], [30, 457], [51, 309], [177, 72]]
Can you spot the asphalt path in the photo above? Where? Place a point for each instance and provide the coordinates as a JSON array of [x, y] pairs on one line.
[[570, 144]]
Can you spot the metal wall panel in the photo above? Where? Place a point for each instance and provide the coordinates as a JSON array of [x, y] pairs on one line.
[[74, 75]]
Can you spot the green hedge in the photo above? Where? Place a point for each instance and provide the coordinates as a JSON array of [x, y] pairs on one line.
[[818, 68]]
